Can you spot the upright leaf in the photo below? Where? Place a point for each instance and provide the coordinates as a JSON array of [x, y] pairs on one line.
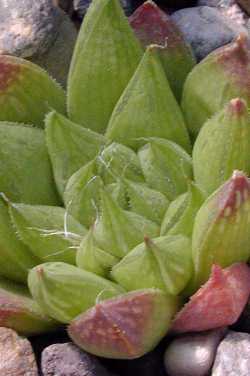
[[15, 257], [154, 26], [117, 231], [166, 166], [25, 170], [49, 231], [27, 93], [222, 146], [106, 56], [70, 147], [147, 108]]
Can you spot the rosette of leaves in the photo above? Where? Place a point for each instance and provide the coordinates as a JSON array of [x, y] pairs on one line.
[[98, 207]]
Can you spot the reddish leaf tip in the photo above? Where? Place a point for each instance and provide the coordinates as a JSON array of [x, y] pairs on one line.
[[238, 107], [8, 72], [234, 193]]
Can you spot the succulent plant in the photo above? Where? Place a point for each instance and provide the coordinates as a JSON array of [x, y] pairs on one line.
[[221, 76], [99, 213]]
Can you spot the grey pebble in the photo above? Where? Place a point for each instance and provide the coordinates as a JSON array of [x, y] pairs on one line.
[[233, 356], [192, 354], [68, 360], [205, 28]]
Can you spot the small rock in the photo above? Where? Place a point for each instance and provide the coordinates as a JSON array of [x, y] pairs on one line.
[[68, 360], [192, 354], [205, 28], [27, 27], [17, 358], [233, 356]]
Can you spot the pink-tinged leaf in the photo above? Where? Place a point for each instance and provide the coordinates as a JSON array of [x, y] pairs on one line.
[[219, 302], [153, 26], [125, 327]]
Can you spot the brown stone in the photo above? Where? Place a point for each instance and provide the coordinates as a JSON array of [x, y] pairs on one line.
[[16, 355]]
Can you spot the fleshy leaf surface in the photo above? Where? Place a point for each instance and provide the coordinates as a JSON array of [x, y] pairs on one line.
[[166, 166], [27, 93], [64, 291], [222, 146], [126, 327], [117, 231], [164, 263], [218, 303], [81, 196], [20, 312], [92, 258], [117, 160], [145, 201], [147, 107], [70, 147], [49, 231], [105, 57], [153, 26], [15, 257], [223, 75], [221, 230], [180, 215], [25, 171]]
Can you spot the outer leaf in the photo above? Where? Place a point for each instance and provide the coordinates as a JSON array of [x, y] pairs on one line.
[[147, 107], [118, 193], [49, 231], [27, 92], [70, 147], [180, 216], [221, 230], [20, 312], [94, 259], [222, 146], [64, 291], [106, 55], [222, 75], [81, 195], [126, 327], [15, 257], [166, 167], [117, 160], [146, 201], [25, 170], [163, 263], [118, 231], [218, 303], [153, 26]]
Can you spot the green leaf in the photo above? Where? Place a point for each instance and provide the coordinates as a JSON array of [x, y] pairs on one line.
[[25, 170], [64, 291], [81, 195], [222, 146], [145, 201], [92, 258], [49, 231], [147, 107], [166, 166], [153, 26], [15, 257], [180, 216], [70, 147], [163, 263], [106, 55], [221, 229], [117, 160], [27, 93], [117, 231]]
